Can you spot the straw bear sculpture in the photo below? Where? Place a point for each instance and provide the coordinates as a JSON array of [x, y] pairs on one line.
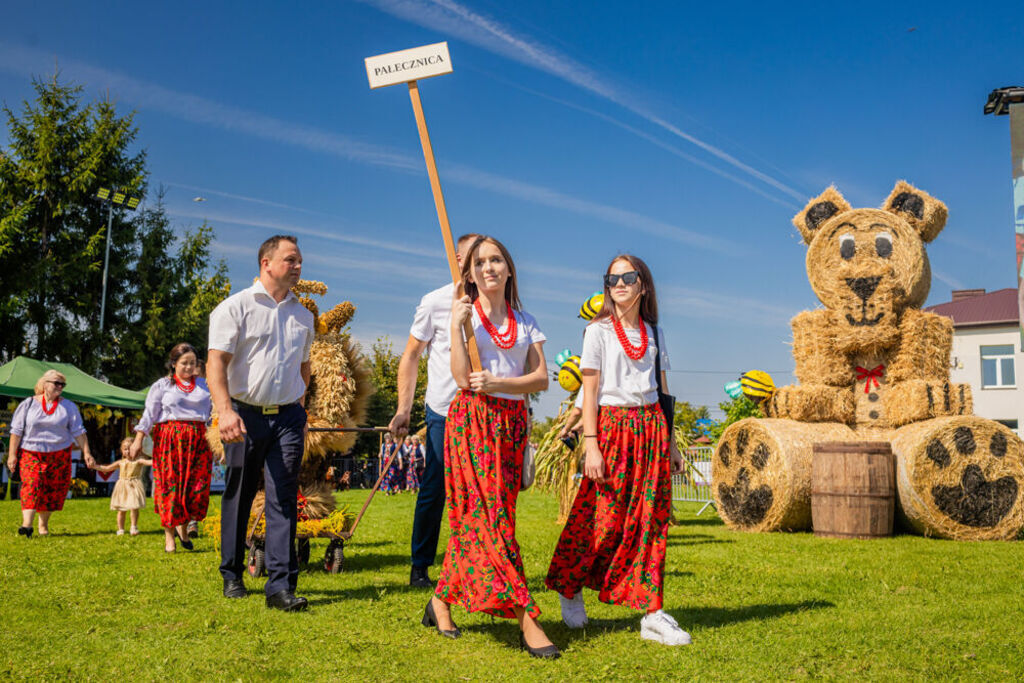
[[872, 366]]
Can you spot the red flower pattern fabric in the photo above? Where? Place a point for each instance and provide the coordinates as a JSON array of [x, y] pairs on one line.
[[182, 464], [615, 537], [485, 438], [45, 479]]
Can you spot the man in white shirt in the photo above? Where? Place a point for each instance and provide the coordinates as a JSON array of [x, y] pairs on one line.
[[258, 370], [429, 330]]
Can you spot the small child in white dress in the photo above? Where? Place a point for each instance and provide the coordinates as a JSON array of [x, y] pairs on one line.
[[129, 494]]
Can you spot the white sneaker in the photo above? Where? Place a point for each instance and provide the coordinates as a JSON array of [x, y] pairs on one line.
[[662, 628], [574, 612], [120, 532]]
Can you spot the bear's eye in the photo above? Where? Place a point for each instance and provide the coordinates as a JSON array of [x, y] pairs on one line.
[[883, 244], [847, 246]]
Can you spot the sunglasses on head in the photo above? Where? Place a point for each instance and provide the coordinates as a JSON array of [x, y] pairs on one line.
[[629, 278]]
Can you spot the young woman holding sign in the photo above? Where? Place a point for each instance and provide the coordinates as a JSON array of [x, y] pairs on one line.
[[614, 540], [485, 438]]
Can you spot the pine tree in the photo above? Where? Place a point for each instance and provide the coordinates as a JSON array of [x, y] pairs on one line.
[[53, 239]]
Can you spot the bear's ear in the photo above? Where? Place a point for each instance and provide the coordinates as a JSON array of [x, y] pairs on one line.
[[925, 213], [818, 210]]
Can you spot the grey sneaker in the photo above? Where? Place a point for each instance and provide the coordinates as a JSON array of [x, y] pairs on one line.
[[574, 612]]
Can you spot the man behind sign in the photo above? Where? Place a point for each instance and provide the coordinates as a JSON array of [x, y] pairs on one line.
[[258, 371]]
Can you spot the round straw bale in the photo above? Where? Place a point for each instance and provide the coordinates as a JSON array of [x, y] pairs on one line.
[[761, 472], [960, 477]]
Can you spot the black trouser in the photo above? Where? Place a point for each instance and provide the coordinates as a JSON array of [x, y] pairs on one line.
[[273, 446], [426, 525]]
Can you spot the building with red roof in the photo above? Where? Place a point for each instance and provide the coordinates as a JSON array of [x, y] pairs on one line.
[[987, 351]]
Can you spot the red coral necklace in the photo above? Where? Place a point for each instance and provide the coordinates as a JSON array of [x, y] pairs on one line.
[[502, 341], [51, 409], [634, 352], [187, 388]]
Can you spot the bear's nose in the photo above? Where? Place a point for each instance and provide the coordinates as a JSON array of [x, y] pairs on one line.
[[863, 287]]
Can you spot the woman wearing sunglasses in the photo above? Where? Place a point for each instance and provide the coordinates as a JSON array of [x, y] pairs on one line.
[[615, 537], [485, 438], [42, 431]]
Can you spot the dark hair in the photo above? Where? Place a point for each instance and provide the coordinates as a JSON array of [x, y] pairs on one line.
[[270, 246], [648, 300], [177, 351], [511, 287]]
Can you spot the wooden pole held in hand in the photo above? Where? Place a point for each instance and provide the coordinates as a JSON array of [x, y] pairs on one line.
[[442, 215], [409, 66]]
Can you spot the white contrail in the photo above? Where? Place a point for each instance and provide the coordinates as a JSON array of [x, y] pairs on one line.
[[207, 112], [447, 16]]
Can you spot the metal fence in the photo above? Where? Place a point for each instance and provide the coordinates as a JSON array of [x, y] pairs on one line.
[[693, 484]]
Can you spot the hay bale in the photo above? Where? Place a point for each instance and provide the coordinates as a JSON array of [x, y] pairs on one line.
[[761, 472], [926, 342], [960, 477], [812, 403], [814, 350], [917, 399]]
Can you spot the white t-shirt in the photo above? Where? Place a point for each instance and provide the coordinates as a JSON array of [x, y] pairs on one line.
[[623, 381], [431, 325], [507, 362], [268, 341]]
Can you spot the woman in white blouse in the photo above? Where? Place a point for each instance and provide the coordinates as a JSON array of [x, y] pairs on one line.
[[177, 410], [42, 431]]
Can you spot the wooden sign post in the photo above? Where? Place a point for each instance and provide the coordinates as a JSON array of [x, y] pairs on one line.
[[408, 66]]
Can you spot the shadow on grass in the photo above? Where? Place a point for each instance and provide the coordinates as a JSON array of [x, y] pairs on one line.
[[332, 595], [710, 617], [696, 539], [703, 521], [360, 562]]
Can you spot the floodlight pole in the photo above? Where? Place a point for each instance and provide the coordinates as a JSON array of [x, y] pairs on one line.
[[106, 263]]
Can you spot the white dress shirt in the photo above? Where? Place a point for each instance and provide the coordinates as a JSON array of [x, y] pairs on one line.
[[165, 402], [431, 324], [623, 381], [42, 433], [268, 341]]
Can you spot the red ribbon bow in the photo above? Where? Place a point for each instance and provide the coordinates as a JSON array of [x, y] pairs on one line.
[[874, 374]]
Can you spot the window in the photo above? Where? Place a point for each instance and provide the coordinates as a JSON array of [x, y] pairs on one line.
[[997, 366]]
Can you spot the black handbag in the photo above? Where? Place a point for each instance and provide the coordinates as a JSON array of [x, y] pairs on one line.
[[666, 401]]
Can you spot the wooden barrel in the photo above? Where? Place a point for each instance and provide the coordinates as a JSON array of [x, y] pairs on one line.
[[853, 489]]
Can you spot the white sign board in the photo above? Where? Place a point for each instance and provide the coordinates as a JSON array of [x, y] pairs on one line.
[[408, 65]]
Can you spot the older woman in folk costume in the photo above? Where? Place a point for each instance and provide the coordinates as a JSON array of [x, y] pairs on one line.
[[615, 538], [42, 430], [411, 456], [485, 438], [176, 413], [392, 480]]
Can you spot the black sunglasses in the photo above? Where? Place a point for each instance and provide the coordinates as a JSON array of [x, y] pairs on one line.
[[629, 278], [58, 384]]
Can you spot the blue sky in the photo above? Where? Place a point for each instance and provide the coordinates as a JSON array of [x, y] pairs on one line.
[[689, 134]]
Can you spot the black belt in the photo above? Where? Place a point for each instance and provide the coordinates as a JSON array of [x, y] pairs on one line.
[[264, 410]]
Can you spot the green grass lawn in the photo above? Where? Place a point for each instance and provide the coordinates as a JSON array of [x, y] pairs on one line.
[[85, 603]]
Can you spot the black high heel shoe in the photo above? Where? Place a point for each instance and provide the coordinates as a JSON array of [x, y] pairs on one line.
[[430, 619], [546, 652], [185, 542], [25, 531]]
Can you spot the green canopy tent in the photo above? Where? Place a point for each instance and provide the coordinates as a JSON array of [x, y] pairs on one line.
[[18, 378]]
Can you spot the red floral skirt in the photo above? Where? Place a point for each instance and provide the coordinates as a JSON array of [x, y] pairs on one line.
[[45, 479], [485, 438], [182, 465], [615, 537]]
